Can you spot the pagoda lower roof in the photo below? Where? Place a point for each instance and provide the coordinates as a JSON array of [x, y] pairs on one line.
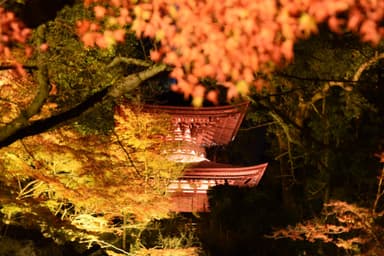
[[189, 193], [213, 170], [200, 177]]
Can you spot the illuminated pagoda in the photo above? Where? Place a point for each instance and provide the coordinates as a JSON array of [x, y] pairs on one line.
[[193, 130]]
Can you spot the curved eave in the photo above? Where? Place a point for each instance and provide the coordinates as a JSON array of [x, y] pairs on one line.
[[199, 180], [223, 172], [220, 123], [203, 111], [236, 176]]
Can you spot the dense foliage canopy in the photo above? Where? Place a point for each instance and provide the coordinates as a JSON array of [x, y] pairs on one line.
[[230, 42]]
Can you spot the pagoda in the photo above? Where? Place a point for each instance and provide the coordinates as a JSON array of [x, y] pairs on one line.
[[194, 130]]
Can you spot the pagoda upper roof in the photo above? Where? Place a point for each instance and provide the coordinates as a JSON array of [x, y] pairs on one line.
[[216, 125]]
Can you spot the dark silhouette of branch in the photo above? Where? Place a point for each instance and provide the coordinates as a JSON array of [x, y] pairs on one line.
[[313, 79], [14, 67], [40, 126], [127, 154]]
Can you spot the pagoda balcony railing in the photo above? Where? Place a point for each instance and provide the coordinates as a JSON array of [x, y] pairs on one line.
[[194, 129]]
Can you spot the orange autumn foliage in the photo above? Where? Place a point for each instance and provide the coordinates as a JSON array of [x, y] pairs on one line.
[[12, 31], [226, 40], [229, 41]]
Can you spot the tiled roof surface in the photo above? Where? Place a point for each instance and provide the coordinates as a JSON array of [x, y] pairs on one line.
[[209, 126]]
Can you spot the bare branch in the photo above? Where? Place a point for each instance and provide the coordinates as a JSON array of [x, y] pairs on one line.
[[366, 65], [131, 61], [14, 67], [132, 81], [127, 154]]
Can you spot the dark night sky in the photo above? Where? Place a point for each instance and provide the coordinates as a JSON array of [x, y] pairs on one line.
[[36, 12]]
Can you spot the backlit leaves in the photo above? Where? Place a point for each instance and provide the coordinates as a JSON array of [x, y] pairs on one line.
[[12, 31], [205, 38], [231, 41]]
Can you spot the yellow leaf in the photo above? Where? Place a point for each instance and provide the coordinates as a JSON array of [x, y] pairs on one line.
[[197, 101], [159, 35], [242, 87], [307, 25]]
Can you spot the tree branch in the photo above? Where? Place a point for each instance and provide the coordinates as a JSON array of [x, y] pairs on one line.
[[42, 94], [131, 61], [132, 81], [312, 79], [366, 65], [13, 67], [39, 126], [21, 127]]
